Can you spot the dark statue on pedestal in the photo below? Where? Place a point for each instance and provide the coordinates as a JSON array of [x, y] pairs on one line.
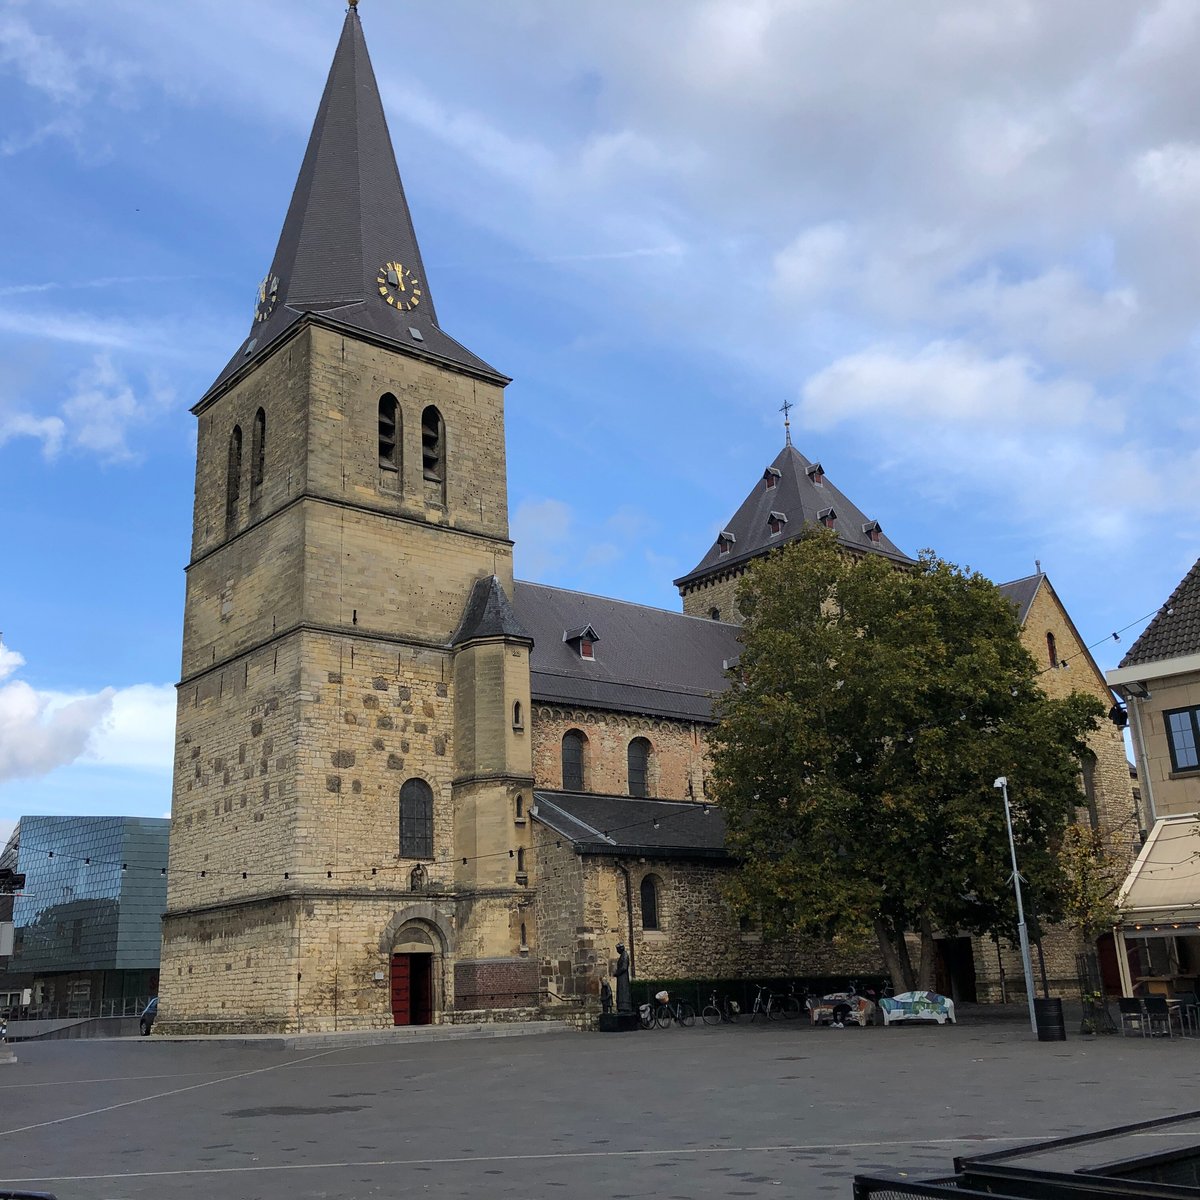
[[606, 997], [624, 995]]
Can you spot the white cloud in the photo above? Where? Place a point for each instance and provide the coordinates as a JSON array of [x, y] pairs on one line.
[[98, 418], [44, 730], [139, 731], [948, 384]]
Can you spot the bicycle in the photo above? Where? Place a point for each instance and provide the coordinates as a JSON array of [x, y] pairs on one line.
[[679, 1011], [722, 1011], [791, 1003], [769, 1009]]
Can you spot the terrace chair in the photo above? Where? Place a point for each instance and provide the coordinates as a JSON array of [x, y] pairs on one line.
[[1133, 1016], [1189, 1010], [1161, 1017]]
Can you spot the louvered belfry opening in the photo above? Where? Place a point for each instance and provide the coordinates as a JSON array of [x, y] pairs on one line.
[[433, 455], [389, 443]]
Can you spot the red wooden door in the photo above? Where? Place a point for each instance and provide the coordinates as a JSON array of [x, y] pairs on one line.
[[421, 988], [402, 989]]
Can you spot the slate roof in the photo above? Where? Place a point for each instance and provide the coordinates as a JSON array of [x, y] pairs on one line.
[[620, 825], [801, 500], [1021, 592], [648, 660], [1175, 630], [488, 615], [348, 217]]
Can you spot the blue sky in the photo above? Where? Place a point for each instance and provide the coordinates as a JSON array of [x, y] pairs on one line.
[[964, 240]]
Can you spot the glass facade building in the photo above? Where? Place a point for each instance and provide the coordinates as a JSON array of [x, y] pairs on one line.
[[87, 923]]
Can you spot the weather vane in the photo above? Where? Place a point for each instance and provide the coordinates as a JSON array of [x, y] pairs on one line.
[[785, 408]]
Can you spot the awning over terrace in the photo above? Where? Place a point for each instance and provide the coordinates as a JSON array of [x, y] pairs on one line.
[[1162, 892]]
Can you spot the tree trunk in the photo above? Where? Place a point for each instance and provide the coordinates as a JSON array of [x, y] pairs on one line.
[[901, 944], [891, 958], [926, 978]]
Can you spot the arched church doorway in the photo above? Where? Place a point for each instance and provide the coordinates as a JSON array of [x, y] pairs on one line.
[[412, 977]]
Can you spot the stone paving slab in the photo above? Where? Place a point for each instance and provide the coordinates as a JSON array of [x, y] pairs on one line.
[[774, 1110]]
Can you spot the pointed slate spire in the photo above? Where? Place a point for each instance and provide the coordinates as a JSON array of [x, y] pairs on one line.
[[791, 494], [348, 252], [489, 614]]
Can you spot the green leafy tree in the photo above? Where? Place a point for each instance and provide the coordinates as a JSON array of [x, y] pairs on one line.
[[1092, 878], [854, 759]]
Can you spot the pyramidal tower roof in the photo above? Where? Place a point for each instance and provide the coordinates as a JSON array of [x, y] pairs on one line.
[[792, 493], [348, 254]]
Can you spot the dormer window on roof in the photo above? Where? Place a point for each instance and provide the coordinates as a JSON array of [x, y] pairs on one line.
[[771, 477], [725, 541], [827, 517], [776, 522], [582, 641], [873, 530], [816, 473]]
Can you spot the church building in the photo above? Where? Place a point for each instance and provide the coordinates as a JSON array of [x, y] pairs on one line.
[[408, 789]]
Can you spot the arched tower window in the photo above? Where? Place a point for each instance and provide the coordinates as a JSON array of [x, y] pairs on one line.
[[639, 767], [573, 744], [649, 891], [518, 716], [416, 819], [233, 479], [258, 455], [433, 454], [520, 860], [390, 442], [1052, 649]]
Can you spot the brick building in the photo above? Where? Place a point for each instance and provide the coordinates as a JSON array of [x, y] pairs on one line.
[[408, 789]]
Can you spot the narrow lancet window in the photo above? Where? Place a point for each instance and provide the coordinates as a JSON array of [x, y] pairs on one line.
[[233, 479]]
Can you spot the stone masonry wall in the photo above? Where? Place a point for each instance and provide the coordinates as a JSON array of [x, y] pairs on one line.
[[678, 762], [715, 591]]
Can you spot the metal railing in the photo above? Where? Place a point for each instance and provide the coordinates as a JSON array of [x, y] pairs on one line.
[[68, 1010]]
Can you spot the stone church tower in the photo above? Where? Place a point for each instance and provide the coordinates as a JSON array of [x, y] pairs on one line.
[[351, 758]]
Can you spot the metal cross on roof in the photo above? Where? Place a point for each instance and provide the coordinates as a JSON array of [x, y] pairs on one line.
[[786, 408]]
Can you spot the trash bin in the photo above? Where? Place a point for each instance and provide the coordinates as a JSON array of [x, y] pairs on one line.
[[1049, 1014]]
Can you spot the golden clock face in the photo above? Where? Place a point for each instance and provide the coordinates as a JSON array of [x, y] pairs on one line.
[[268, 294], [399, 286]]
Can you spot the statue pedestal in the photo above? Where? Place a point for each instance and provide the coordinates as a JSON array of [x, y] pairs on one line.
[[618, 1023]]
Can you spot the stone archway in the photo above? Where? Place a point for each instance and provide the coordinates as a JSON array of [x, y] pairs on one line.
[[416, 943]]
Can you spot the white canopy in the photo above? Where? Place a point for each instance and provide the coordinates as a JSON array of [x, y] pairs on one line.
[[1162, 892]]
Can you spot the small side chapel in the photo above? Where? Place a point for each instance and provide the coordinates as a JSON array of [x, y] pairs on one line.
[[407, 788]]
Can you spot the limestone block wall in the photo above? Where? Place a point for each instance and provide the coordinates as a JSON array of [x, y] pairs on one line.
[[235, 802], [678, 761], [717, 591], [348, 379], [244, 593], [1116, 811], [279, 385], [298, 963]]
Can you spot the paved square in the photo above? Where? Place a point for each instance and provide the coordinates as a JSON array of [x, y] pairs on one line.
[[780, 1110]]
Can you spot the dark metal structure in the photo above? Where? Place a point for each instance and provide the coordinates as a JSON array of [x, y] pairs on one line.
[[1155, 1160]]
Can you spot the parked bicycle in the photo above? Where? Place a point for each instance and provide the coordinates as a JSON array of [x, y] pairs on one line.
[[679, 1011], [791, 1003], [721, 1010], [766, 1005]]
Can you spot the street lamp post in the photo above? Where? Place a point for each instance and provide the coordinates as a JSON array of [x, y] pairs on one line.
[[1022, 932]]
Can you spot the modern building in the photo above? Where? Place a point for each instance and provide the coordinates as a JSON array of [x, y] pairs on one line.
[[87, 920]]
